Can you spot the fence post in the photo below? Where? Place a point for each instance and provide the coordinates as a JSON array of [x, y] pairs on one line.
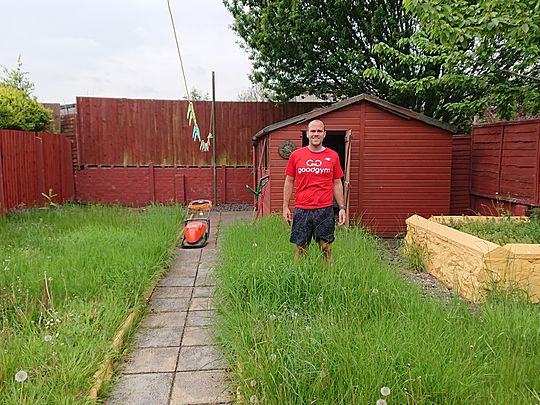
[[152, 183], [2, 195], [40, 168]]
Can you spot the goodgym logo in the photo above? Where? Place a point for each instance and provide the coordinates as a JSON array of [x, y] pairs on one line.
[[313, 166]]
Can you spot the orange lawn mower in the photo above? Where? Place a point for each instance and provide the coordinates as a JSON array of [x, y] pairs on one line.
[[197, 224]]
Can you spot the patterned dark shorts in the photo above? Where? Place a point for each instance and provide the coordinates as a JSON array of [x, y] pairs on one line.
[[315, 224]]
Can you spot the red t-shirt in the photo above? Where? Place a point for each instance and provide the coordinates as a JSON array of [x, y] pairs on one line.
[[315, 173]]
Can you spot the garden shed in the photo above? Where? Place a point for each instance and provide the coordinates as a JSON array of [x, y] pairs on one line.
[[396, 162]]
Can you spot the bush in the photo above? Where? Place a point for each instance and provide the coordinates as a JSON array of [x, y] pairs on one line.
[[19, 111]]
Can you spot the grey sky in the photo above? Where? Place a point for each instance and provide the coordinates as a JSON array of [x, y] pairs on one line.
[[122, 48]]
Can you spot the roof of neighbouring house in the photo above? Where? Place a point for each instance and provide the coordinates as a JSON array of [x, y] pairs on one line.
[[392, 108]]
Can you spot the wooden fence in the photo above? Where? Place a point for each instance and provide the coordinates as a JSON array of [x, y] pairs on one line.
[[505, 164], [134, 133], [31, 164]]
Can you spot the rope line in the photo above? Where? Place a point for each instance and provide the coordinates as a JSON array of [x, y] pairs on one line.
[[190, 116], [178, 49]]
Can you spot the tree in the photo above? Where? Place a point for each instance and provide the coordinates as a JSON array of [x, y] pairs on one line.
[[488, 52], [320, 47], [18, 108], [254, 93], [20, 112], [197, 95], [17, 79]]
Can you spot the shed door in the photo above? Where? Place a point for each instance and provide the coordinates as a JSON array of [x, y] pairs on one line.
[[347, 173]]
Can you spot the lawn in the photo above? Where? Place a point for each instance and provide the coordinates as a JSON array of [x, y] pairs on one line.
[[69, 277], [302, 334]]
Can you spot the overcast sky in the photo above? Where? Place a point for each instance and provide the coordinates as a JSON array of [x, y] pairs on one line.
[[122, 48]]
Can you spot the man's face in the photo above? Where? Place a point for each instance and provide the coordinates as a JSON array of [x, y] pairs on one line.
[[316, 133]]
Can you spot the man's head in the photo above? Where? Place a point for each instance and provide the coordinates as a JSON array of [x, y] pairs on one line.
[[316, 133]]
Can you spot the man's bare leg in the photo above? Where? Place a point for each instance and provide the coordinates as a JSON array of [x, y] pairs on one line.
[[327, 252], [300, 250]]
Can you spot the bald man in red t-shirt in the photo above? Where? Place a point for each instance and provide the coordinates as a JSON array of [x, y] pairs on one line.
[[318, 177]]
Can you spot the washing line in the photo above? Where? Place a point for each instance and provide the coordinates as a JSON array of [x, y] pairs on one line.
[[191, 116]]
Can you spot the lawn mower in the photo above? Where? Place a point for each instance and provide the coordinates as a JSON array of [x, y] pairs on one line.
[[197, 224]]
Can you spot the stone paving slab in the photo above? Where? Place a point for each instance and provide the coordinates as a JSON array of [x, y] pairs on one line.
[[177, 282], [152, 360], [194, 358], [142, 389], [203, 292], [200, 387], [164, 319], [197, 336], [162, 337], [169, 304], [172, 292], [200, 318], [201, 304]]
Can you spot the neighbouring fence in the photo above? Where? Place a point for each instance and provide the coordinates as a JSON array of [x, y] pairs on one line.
[[128, 132], [461, 167], [135, 151], [505, 167], [31, 164]]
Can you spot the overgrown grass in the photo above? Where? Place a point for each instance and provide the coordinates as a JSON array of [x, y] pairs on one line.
[[300, 334], [502, 230], [68, 278]]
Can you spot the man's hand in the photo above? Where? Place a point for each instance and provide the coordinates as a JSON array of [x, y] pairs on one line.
[[287, 216], [342, 216]]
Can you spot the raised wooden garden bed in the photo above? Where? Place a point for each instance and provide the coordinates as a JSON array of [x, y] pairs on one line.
[[470, 265]]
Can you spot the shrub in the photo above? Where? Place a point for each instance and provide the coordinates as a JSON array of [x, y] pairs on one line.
[[19, 111]]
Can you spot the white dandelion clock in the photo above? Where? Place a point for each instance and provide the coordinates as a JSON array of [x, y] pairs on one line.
[[375, 291], [273, 357], [21, 376], [48, 338], [253, 383], [253, 399], [272, 317], [381, 402], [385, 391]]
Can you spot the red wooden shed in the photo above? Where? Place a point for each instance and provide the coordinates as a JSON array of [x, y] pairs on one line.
[[396, 162]]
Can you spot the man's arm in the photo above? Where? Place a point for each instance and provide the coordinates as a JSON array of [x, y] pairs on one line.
[[287, 192], [338, 193]]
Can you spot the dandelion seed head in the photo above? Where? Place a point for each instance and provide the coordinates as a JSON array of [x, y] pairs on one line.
[[253, 383], [273, 357], [272, 317], [48, 338], [21, 376], [375, 291], [253, 399], [385, 391], [381, 402]]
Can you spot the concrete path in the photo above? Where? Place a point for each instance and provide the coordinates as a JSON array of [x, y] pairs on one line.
[[175, 360]]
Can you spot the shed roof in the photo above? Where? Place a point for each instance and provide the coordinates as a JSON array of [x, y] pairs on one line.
[[392, 108]]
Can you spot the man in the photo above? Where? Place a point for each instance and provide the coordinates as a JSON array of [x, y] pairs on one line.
[[318, 176]]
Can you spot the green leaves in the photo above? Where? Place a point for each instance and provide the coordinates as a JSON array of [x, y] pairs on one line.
[[18, 108], [20, 112]]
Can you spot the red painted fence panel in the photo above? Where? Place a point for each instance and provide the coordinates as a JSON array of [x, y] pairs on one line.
[[31, 164], [461, 162], [129, 132], [505, 166]]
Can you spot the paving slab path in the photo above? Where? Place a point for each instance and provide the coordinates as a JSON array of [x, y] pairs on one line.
[[175, 360]]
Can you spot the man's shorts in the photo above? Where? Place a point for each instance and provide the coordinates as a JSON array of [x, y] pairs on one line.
[[315, 224]]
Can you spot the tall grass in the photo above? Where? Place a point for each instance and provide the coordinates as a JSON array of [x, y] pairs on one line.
[[302, 334], [501, 230], [68, 278]]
